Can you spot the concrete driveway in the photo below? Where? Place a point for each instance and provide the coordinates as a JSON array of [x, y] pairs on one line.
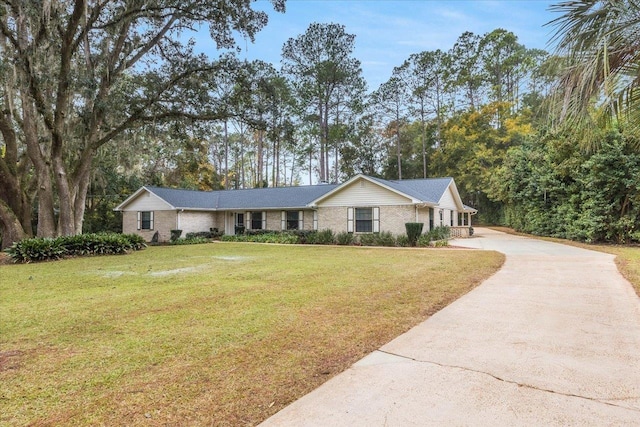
[[553, 338]]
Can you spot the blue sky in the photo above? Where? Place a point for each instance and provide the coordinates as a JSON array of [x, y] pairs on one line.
[[388, 31]]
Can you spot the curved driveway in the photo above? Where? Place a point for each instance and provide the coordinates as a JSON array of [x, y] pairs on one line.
[[553, 338]]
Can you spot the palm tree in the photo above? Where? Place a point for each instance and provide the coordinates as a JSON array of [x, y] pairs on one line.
[[600, 40]]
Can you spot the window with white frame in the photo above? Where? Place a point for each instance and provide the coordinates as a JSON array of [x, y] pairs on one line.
[[257, 220], [363, 220], [145, 220], [292, 220]]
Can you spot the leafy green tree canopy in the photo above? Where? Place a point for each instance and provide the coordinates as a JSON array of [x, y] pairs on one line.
[[76, 75]]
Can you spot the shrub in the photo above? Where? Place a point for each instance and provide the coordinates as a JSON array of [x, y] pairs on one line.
[[384, 238], [324, 237], [424, 240], [470, 231], [403, 241], [344, 238], [136, 241], [303, 235], [440, 233], [175, 235], [367, 239], [263, 236], [414, 230], [36, 249], [198, 235], [190, 241], [46, 249], [441, 243]]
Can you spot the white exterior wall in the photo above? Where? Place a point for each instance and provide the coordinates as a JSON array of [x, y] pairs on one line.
[[423, 217], [194, 221], [392, 218], [447, 201], [163, 223], [448, 204], [362, 193], [148, 202]]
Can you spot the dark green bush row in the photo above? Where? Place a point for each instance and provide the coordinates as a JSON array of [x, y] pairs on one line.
[[47, 249], [322, 237], [213, 234], [267, 237], [384, 238], [327, 237], [190, 241]]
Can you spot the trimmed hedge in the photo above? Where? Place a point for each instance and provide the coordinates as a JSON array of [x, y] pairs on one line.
[[48, 249], [414, 230], [212, 234], [327, 237], [263, 237]]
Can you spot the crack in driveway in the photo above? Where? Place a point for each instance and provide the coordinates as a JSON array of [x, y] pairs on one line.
[[532, 387]]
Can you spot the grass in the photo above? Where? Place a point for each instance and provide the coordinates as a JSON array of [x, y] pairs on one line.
[[214, 334], [627, 256]]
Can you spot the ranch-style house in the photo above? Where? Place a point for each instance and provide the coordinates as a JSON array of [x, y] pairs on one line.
[[363, 204]]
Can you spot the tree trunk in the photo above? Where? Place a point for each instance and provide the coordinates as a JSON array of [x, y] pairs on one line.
[[260, 159], [321, 128], [46, 215], [226, 156], [399, 151], [10, 226]]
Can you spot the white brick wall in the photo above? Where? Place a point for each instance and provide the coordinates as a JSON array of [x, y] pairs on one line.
[[163, 223], [392, 218]]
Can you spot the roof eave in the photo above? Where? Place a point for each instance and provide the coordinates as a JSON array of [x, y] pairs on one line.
[[128, 200], [365, 177]]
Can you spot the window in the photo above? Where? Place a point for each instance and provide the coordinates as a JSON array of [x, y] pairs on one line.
[[432, 217], [451, 212], [364, 220], [293, 219], [256, 220], [145, 220], [239, 219]]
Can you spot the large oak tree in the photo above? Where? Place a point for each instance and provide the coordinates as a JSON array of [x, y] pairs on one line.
[[77, 75]]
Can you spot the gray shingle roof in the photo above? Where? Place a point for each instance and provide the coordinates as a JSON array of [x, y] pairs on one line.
[[255, 198], [179, 198], [426, 190], [423, 190]]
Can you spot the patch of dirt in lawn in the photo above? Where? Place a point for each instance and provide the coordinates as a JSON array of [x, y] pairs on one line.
[[232, 258], [4, 258], [10, 360], [174, 271]]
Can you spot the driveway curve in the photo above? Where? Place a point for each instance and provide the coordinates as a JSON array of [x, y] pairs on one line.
[[553, 338]]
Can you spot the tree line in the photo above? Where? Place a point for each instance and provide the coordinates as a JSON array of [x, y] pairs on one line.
[[98, 99]]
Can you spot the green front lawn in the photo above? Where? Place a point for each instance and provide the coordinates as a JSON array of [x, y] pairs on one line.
[[212, 334]]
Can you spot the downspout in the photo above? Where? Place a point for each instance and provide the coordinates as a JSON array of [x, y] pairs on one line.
[[178, 219]]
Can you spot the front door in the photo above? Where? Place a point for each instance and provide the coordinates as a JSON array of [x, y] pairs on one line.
[[239, 223]]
